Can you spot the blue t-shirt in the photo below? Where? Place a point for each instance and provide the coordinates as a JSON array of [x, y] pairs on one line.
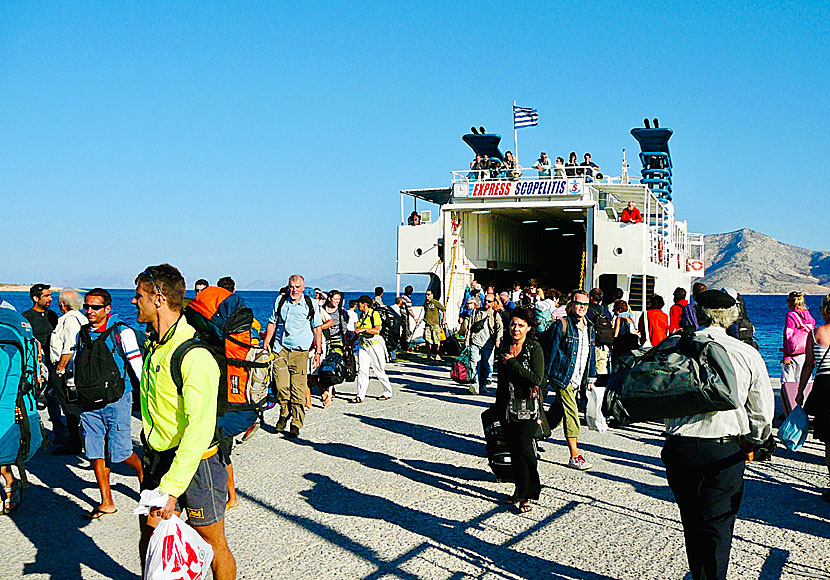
[[294, 329]]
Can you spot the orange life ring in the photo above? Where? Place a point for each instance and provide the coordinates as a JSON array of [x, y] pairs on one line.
[[694, 265]]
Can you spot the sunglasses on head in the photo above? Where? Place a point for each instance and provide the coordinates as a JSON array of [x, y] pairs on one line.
[[95, 307], [149, 272]]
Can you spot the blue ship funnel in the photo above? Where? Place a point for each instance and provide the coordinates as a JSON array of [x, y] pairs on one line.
[[656, 159], [485, 144]]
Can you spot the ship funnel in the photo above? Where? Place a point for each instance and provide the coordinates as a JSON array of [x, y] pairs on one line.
[[655, 157]]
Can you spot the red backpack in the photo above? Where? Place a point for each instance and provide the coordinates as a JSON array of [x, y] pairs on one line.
[[224, 328]]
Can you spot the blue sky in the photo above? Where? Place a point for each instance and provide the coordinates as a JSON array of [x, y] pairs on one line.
[[261, 139]]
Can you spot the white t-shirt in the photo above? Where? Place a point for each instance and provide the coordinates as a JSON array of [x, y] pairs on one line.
[[65, 335], [352, 321]]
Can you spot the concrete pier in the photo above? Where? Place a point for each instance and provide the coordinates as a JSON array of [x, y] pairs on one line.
[[401, 489]]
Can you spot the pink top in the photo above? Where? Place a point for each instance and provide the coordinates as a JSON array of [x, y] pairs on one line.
[[797, 326]]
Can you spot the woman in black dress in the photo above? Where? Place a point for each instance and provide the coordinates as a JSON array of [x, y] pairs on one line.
[[522, 365]]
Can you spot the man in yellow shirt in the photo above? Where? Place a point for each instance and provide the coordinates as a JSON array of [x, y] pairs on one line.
[[178, 426]]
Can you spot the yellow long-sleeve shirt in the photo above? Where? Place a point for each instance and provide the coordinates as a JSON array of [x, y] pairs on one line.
[[187, 421]]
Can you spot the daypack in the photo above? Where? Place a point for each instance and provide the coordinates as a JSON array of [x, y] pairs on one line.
[[688, 317], [683, 375], [544, 319], [332, 370], [461, 369], [223, 328], [603, 329], [20, 429], [743, 329], [98, 380]]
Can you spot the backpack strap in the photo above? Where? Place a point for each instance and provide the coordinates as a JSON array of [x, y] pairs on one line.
[[308, 304], [178, 357]]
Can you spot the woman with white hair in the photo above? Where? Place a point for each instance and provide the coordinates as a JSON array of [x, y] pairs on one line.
[[818, 403]]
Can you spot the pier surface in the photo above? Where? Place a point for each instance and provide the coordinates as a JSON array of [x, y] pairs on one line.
[[401, 489]]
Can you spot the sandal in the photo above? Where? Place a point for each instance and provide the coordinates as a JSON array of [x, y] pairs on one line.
[[14, 495], [356, 400], [383, 398], [97, 514], [524, 506], [326, 398]]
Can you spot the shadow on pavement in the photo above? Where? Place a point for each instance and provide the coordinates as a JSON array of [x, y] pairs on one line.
[[53, 523]]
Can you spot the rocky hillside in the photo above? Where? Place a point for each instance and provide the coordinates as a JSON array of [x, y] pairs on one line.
[[753, 263]]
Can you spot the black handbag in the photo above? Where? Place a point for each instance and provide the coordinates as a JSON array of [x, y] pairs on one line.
[[523, 409]]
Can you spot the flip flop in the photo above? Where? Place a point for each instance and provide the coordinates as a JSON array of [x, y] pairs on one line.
[[383, 398], [356, 400], [524, 507], [97, 514]]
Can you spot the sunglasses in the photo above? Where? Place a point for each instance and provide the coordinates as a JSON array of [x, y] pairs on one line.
[[585, 304], [489, 301], [95, 307], [149, 272]]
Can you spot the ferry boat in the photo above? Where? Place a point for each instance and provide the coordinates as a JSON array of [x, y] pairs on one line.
[[500, 227]]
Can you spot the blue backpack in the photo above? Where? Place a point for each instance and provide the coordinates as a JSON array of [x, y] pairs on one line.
[[20, 429]]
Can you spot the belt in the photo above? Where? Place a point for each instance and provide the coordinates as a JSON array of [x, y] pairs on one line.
[[720, 440]]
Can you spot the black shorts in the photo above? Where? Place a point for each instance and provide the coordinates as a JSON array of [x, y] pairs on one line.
[[206, 496]]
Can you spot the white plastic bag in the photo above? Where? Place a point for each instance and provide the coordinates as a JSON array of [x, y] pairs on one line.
[[177, 552], [593, 414]]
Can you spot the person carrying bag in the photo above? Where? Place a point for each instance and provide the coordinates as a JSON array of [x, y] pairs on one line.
[[519, 404]]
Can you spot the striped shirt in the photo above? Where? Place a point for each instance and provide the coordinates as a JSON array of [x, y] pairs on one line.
[[822, 357], [583, 352], [754, 417]]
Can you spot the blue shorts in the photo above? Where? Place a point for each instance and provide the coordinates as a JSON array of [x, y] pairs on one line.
[[109, 429]]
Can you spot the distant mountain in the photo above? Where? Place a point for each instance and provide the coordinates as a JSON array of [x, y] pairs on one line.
[[754, 263], [341, 281], [348, 283]]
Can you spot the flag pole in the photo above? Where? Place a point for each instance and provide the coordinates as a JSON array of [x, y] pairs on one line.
[[515, 135]]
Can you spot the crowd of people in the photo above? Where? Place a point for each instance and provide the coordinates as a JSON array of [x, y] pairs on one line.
[[484, 167], [534, 338]]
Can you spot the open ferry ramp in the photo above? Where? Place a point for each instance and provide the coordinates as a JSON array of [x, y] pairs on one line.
[[402, 489]]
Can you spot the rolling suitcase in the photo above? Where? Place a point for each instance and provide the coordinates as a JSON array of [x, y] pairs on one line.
[[498, 455]]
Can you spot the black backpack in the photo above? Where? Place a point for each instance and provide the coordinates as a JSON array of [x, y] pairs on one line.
[[98, 381], [390, 328], [603, 330], [743, 329], [683, 375]]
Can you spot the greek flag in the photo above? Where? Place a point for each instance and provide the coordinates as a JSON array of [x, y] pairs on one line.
[[524, 117]]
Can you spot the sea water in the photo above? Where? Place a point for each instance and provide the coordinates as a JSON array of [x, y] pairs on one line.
[[767, 313]]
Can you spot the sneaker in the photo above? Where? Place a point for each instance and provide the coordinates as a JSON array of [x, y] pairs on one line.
[[473, 388], [293, 433], [281, 424], [579, 463]]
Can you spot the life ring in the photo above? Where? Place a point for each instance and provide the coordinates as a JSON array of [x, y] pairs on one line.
[[694, 265]]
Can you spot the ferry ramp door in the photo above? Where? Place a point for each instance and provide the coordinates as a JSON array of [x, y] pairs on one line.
[[507, 245]]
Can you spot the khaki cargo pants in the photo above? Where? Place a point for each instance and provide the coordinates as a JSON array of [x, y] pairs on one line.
[[291, 378]]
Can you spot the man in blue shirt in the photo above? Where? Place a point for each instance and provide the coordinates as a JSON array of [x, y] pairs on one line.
[[292, 329]]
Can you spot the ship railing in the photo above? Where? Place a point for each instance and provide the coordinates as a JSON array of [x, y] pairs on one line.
[[522, 174]]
